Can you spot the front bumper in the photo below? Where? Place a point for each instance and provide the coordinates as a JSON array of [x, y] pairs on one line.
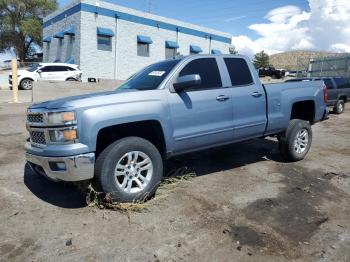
[[77, 168]]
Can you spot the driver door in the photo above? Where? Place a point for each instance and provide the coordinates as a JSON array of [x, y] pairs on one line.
[[201, 116], [46, 73]]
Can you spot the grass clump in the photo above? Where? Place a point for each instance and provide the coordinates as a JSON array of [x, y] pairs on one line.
[[100, 200]]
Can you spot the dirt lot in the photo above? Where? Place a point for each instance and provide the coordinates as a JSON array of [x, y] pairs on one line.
[[244, 204]]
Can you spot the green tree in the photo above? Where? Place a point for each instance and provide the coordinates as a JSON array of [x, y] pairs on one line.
[[261, 59], [21, 24], [232, 50]]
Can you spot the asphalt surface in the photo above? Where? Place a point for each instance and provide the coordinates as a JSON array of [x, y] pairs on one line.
[[244, 204]]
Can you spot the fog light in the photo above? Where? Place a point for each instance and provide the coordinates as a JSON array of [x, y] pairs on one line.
[[58, 166]]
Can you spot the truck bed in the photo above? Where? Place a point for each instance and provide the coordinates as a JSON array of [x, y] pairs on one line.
[[282, 96]]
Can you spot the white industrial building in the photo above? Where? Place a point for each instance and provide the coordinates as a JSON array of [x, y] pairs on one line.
[[112, 42]]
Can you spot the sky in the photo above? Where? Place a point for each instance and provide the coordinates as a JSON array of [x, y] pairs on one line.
[[232, 16], [271, 25]]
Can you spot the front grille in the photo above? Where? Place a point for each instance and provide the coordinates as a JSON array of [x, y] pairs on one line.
[[37, 137], [35, 118]]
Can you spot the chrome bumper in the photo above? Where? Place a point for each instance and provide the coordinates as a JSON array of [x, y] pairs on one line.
[[71, 168]]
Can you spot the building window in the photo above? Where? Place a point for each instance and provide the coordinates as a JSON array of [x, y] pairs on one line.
[[170, 53], [47, 52], [104, 43], [70, 45], [142, 49], [59, 50], [171, 49]]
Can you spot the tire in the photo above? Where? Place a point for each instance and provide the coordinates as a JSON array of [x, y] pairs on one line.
[[296, 142], [339, 107], [71, 79], [131, 184], [26, 84]]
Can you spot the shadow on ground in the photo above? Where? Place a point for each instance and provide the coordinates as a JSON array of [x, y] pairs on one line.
[[67, 195], [224, 158], [59, 194]]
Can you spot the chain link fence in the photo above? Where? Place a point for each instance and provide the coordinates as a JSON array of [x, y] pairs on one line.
[[336, 66], [315, 65]]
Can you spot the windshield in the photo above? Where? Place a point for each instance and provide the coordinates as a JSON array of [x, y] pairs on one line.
[[150, 77], [32, 68]]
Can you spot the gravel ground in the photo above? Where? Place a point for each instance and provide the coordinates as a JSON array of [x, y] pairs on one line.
[[244, 204]]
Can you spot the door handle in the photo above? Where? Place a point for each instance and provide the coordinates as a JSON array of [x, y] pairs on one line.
[[256, 94], [222, 98]]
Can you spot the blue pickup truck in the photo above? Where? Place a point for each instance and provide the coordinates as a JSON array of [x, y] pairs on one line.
[[120, 138]]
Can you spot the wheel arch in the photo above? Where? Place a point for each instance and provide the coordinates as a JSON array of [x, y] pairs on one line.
[[150, 130], [343, 97], [25, 78], [304, 110]]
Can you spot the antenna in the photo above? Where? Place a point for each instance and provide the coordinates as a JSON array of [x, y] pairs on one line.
[[150, 4]]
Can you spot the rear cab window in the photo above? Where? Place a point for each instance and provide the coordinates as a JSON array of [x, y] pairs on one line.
[[207, 69], [328, 82], [239, 71]]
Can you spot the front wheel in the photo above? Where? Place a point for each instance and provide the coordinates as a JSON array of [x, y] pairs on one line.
[[129, 169], [26, 84], [296, 142]]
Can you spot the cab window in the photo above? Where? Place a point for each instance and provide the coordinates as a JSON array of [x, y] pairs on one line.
[[208, 70], [239, 71]]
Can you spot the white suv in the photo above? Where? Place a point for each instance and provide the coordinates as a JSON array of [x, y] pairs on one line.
[[46, 72]]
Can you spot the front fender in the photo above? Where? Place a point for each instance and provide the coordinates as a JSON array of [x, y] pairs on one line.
[[94, 119]]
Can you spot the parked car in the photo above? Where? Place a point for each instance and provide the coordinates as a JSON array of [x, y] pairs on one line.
[[338, 90], [48, 72], [272, 72], [120, 138], [294, 73]]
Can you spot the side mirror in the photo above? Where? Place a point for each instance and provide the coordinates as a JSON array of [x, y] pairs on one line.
[[39, 71], [187, 81]]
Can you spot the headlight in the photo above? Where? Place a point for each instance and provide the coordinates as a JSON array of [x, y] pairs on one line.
[[62, 118], [62, 136]]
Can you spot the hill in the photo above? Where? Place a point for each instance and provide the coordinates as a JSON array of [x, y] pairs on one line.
[[295, 60]]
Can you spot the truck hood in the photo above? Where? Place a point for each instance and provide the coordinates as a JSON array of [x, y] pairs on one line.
[[86, 100]]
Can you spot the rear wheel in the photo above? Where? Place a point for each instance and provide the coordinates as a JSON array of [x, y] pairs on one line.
[[26, 84], [296, 142], [130, 170], [339, 107]]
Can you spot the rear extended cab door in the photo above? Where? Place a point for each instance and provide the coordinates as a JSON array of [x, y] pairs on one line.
[[248, 97]]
